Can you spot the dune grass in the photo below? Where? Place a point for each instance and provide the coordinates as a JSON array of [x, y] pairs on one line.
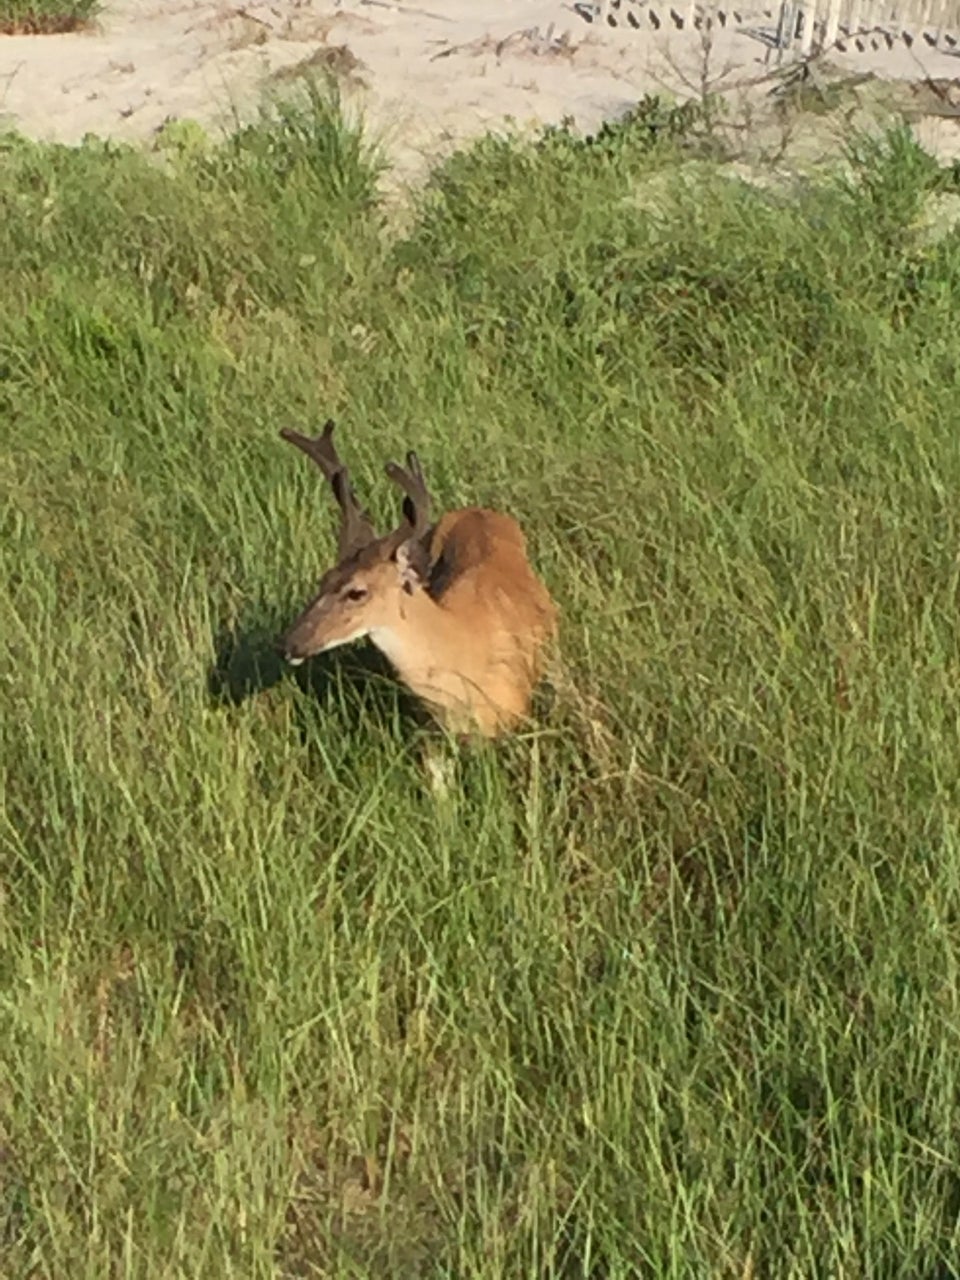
[[668, 986], [45, 17]]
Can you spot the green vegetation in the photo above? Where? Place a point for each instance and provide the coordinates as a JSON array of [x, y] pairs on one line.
[[45, 17], [667, 987]]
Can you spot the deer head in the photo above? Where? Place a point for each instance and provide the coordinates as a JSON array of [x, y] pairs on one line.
[[365, 592]]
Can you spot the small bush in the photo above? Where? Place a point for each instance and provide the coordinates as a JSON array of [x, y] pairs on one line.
[[45, 17]]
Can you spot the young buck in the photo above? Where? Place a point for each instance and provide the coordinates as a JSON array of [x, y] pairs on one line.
[[454, 606]]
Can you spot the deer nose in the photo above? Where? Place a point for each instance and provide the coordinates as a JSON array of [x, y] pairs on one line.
[[288, 653]]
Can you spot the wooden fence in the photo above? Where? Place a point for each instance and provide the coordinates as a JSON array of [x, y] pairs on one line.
[[800, 28]]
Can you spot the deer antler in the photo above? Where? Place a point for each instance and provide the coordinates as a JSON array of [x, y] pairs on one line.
[[416, 504], [356, 530]]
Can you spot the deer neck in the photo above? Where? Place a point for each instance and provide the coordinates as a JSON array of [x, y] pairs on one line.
[[423, 637], [434, 653]]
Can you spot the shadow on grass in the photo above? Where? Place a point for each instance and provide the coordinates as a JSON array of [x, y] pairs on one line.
[[248, 663]]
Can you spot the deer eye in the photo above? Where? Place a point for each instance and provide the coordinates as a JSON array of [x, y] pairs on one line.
[[356, 594]]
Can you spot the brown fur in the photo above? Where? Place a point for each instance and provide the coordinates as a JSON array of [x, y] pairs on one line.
[[488, 617], [458, 612]]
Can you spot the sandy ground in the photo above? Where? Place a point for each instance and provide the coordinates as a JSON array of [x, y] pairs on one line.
[[424, 77]]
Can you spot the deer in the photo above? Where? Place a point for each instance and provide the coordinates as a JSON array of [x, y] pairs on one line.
[[454, 606]]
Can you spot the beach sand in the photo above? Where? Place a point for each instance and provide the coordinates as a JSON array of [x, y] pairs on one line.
[[424, 78]]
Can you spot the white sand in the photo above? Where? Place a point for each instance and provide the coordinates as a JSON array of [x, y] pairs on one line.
[[424, 76]]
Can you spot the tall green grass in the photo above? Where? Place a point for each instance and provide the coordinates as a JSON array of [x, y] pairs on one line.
[[667, 987]]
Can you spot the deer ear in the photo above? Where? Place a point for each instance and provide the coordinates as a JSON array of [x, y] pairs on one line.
[[413, 563]]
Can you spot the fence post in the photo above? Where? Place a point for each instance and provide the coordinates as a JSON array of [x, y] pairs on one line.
[[832, 24], [809, 13]]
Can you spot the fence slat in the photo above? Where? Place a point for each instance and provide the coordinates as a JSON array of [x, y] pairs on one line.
[[809, 24], [832, 24]]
